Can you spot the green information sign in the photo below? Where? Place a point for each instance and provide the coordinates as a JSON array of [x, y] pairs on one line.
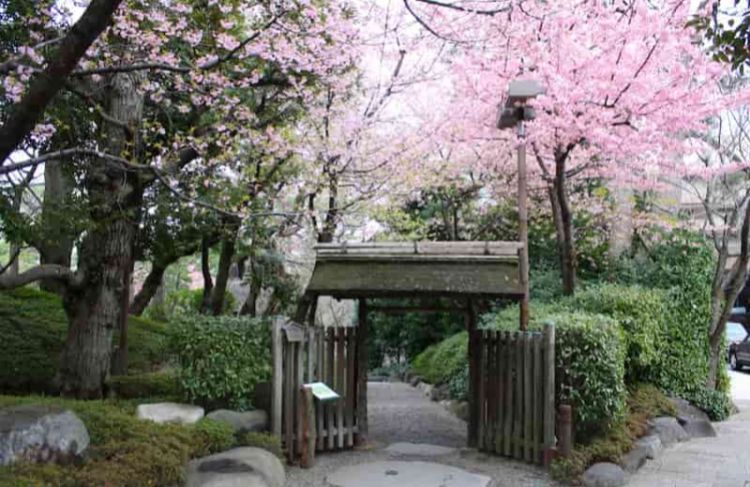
[[322, 392]]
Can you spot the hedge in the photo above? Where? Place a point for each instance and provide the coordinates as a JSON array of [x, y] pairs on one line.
[[439, 363], [221, 359], [34, 326], [124, 450]]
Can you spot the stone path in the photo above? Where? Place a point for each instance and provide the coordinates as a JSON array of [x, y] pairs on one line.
[[723, 461], [414, 443]]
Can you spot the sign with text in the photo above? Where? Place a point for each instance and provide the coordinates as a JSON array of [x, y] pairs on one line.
[[322, 392]]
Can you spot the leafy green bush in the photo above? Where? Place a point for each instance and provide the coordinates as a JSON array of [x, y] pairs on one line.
[[458, 385], [221, 359], [34, 326], [124, 450], [185, 302], [641, 313], [715, 403], [590, 369], [443, 361], [151, 384]]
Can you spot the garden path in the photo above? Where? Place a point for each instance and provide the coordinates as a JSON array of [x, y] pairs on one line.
[[722, 461], [414, 443]]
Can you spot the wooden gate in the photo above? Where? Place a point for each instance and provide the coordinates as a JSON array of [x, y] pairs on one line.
[[315, 354], [515, 393]]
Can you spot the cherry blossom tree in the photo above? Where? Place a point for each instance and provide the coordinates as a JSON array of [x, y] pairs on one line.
[[169, 85], [625, 81]]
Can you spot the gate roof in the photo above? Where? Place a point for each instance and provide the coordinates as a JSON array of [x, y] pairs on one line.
[[394, 269]]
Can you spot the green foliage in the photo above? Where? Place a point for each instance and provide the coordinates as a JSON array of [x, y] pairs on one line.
[[459, 384], [641, 313], [221, 358], [439, 363], [185, 302], [124, 450], [267, 441], [210, 437], [161, 385], [33, 326], [590, 369], [715, 403]]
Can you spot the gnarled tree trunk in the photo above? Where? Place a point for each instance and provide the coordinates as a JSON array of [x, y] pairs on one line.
[[228, 243], [57, 245], [562, 216], [115, 197]]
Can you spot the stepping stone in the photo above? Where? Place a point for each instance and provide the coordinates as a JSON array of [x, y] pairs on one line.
[[170, 412], [405, 474], [240, 467], [419, 449]]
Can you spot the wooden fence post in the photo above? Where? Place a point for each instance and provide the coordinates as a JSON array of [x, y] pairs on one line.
[[474, 377], [565, 430], [549, 393], [362, 366], [278, 375], [307, 420]]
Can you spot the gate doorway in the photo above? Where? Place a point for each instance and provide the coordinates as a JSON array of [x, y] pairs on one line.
[[511, 375]]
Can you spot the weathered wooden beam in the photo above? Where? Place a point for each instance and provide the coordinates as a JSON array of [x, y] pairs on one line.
[[474, 377], [416, 309], [549, 393], [277, 376]]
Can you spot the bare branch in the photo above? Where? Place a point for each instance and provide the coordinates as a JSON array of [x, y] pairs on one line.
[[44, 271]]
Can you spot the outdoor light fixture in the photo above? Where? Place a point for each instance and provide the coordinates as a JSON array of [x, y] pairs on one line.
[[512, 114]]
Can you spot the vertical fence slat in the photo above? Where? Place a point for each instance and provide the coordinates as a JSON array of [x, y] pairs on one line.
[[351, 354], [331, 344], [341, 387], [538, 388], [481, 406], [509, 362], [299, 371], [549, 390], [288, 400], [320, 369], [500, 406], [527, 394], [518, 398], [278, 378]]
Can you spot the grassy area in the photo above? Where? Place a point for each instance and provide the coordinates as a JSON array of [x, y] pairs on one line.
[[33, 326], [125, 450]]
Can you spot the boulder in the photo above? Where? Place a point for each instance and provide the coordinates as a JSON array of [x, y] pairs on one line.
[[440, 393], [694, 420], [604, 475], [426, 388], [36, 433], [651, 444], [240, 467], [241, 422], [415, 380], [634, 459], [170, 412], [668, 430]]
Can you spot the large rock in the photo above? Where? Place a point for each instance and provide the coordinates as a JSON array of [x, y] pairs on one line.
[[604, 475], [240, 467], [170, 412], [242, 422], [37, 433], [668, 430], [694, 420], [651, 444], [440, 393]]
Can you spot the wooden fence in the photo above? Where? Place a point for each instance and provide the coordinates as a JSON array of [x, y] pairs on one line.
[[314, 354], [515, 393]]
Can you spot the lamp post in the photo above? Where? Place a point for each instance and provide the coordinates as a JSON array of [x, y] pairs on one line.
[[513, 114]]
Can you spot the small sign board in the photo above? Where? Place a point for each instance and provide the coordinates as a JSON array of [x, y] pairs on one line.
[[322, 392]]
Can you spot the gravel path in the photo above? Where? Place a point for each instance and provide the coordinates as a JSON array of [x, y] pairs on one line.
[[401, 413]]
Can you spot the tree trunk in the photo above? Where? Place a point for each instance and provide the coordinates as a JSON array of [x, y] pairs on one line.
[[208, 283], [120, 353], [150, 286], [56, 246], [563, 218], [228, 243], [106, 256]]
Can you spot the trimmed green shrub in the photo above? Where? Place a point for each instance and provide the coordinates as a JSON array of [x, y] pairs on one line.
[[641, 313], [443, 361], [124, 450], [221, 359], [34, 326], [161, 385], [715, 403]]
